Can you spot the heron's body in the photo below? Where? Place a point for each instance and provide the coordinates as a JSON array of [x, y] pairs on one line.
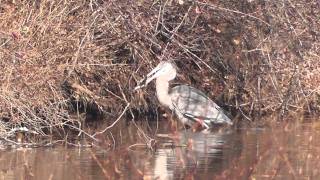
[[190, 104]]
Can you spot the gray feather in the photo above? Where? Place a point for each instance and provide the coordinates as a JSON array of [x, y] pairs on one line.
[[191, 104]]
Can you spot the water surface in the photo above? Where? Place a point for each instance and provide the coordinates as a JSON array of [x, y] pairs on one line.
[[267, 153]]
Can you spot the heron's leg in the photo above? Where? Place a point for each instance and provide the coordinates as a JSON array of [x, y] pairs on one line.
[[173, 122], [197, 127]]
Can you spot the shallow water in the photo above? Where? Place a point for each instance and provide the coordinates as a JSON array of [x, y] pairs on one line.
[[270, 153]]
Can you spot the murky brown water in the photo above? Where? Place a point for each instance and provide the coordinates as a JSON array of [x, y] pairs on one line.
[[269, 153]]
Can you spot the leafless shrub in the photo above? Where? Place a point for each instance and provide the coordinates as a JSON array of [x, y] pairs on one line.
[[66, 62]]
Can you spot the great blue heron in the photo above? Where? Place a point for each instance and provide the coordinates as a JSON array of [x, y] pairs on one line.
[[190, 104]]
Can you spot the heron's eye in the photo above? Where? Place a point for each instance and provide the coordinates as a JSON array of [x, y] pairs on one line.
[[166, 69]]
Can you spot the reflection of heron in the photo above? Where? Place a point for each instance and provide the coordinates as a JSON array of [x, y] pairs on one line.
[[191, 105], [198, 155]]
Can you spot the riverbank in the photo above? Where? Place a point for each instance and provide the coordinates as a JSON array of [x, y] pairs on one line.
[[68, 67]]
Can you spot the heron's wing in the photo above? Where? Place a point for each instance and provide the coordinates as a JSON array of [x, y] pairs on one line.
[[195, 105]]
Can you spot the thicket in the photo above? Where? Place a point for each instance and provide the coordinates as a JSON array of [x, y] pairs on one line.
[[65, 63]]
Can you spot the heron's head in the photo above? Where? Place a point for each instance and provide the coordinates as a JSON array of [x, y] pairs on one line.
[[164, 69]]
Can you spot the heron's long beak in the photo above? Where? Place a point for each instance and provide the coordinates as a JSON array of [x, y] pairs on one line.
[[151, 76]]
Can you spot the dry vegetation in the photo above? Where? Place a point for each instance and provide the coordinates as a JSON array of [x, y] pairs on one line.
[[67, 62]]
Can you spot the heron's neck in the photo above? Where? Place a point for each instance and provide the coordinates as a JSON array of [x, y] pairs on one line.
[[162, 87]]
